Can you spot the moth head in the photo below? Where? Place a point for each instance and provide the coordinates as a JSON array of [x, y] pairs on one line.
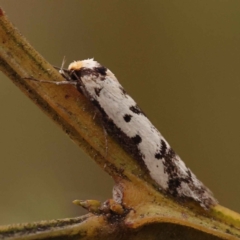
[[78, 65], [86, 70], [90, 75]]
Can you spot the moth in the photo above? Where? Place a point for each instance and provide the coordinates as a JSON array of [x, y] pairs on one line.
[[124, 119]]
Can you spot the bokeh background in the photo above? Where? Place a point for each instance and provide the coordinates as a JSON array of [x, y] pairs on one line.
[[178, 59]]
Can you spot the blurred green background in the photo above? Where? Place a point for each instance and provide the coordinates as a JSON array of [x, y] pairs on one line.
[[178, 59]]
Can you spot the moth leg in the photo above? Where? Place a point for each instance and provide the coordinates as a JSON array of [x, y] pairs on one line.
[[52, 82]]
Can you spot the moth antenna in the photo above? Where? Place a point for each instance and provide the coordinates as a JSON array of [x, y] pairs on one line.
[[63, 62], [58, 68], [64, 72]]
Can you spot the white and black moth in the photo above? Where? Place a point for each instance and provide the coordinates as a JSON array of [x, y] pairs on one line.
[[124, 119]]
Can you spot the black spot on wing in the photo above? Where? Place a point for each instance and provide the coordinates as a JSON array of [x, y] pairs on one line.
[[175, 175], [158, 156], [123, 90], [136, 110], [102, 70], [137, 139], [189, 173], [172, 154], [127, 117], [173, 184], [97, 91], [161, 153], [153, 129]]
